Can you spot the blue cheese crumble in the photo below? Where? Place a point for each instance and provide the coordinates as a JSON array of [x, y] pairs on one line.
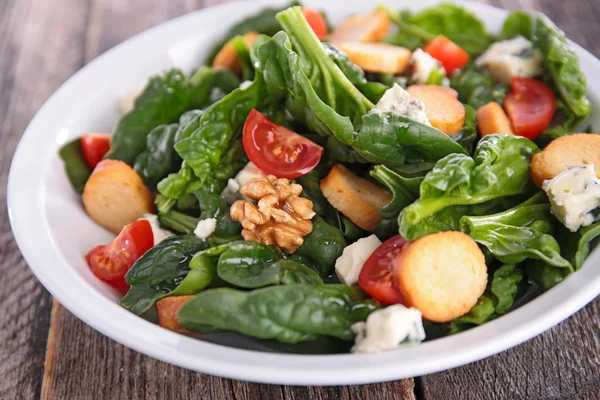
[[575, 196], [399, 101], [509, 58]]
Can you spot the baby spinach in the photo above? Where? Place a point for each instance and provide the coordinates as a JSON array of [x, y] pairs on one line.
[[404, 190], [76, 167], [577, 245], [393, 140], [468, 134], [251, 265], [450, 20], [476, 88], [498, 169], [240, 47], [159, 159], [163, 101], [263, 22], [517, 234], [321, 247], [160, 270], [288, 313]]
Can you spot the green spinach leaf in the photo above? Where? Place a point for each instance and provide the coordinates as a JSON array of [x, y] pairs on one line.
[[159, 159], [321, 247], [476, 88], [288, 313], [76, 167]]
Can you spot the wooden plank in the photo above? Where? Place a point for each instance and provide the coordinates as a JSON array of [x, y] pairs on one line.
[[565, 361], [38, 52]]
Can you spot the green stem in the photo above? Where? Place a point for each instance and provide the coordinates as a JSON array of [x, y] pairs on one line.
[[178, 221], [405, 26]]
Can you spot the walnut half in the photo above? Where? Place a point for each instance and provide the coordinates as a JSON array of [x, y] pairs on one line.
[[280, 217]]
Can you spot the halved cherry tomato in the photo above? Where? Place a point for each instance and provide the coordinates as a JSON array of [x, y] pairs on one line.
[[111, 262], [276, 150], [316, 21], [530, 106], [94, 147], [448, 53], [376, 277]]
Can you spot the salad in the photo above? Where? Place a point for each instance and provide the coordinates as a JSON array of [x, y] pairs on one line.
[[400, 176]]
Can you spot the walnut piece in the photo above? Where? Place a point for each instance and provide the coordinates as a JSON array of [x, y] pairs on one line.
[[280, 217]]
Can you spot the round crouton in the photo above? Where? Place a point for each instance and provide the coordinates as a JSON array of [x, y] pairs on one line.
[[115, 195], [442, 275], [566, 151]]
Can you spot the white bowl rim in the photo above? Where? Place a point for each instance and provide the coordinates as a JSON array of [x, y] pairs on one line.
[[38, 249]]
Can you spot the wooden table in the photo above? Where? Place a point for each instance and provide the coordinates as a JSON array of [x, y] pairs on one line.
[[46, 351]]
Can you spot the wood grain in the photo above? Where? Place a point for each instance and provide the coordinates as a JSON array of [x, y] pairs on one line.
[[41, 44], [40, 47]]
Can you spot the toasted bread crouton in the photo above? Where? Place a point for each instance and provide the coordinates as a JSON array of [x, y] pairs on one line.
[[442, 107], [567, 151], [115, 195], [227, 57], [442, 275], [367, 28], [355, 197], [166, 310], [491, 119], [378, 57]]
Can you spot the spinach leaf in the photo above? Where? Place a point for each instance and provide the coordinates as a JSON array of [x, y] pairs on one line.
[[468, 135], [349, 229], [476, 88], [566, 125], [251, 265], [239, 45], [298, 70], [321, 247], [211, 205], [288, 313], [263, 22], [546, 276], [518, 23], [497, 300], [450, 20], [578, 244], [393, 140], [404, 190], [517, 234], [498, 169], [210, 157], [159, 271], [76, 167], [159, 159], [163, 101]]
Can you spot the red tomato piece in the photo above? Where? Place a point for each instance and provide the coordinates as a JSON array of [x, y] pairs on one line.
[[276, 150], [448, 53], [111, 262], [94, 147], [376, 277], [530, 106], [316, 21]]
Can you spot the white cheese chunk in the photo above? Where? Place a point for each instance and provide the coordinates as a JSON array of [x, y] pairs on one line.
[[205, 227], [388, 329], [231, 192], [422, 67], [158, 233], [128, 101], [509, 58], [399, 101], [350, 263], [575, 196]]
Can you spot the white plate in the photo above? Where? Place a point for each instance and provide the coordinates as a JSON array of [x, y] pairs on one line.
[[53, 231]]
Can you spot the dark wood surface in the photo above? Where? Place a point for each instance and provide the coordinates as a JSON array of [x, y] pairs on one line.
[[47, 352]]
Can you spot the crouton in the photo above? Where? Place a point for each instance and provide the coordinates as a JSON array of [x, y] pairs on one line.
[[442, 275], [491, 119], [367, 28], [115, 195], [227, 57], [442, 107], [355, 197], [378, 57], [166, 310], [567, 151]]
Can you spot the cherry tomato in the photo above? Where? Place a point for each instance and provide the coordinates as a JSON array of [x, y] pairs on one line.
[[530, 106], [94, 147], [376, 276], [448, 53], [276, 150], [316, 21], [111, 262]]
